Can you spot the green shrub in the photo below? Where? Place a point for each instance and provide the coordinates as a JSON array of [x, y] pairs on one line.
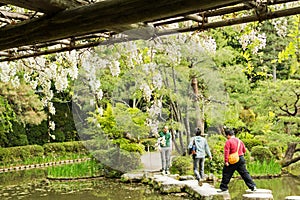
[[216, 144], [261, 153], [182, 165], [19, 154], [36, 151], [276, 150], [75, 147], [149, 144], [54, 149], [118, 159], [126, 145], [5, 155], [250, 143], [37, 134]]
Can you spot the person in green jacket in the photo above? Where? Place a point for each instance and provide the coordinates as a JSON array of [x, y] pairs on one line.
[[164, 146]]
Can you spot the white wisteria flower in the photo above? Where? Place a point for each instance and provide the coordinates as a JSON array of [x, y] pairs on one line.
[[52, 126]]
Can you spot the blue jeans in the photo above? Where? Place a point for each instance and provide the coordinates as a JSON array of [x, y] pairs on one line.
[[165, 154], [241, 168], [199, 173]]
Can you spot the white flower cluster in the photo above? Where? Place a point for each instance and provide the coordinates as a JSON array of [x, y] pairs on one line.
[[154, 112], [155, 109], [5, 72], [146, 91], [115, 68], [210, 45], [150, 70], [280, 26], [153, 124], [255, 40], [52, 126], [40, 74], [91, 63]]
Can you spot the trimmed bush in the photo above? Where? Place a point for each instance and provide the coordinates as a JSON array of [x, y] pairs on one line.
[[75, 147], [250, 143], [261, 153], [182, 165], [5, 155], [19, 154], [54, 149]]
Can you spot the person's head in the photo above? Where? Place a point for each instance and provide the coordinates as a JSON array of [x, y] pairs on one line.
[[165, 129], [198, 131], [229, 133]]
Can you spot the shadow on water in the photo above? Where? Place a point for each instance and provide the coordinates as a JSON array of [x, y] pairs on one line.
[[32, 185], [280, 187]]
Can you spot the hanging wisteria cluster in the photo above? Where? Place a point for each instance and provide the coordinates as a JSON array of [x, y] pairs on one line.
[[42, 72], [254, 39]]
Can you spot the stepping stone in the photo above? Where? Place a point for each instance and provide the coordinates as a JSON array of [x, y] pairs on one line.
[[266, 191], [258, 196], [292, 198]]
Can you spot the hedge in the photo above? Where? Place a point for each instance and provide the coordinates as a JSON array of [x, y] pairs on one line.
[[12, 155]]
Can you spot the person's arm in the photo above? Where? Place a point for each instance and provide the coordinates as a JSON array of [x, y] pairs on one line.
[[243, 147], [158, 142], [191, 143], [207, 150], [226, 152]]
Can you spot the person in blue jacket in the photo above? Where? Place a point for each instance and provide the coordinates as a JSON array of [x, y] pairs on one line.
[[202, 149]]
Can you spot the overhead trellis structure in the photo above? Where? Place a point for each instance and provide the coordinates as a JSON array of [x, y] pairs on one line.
[[31, 28]]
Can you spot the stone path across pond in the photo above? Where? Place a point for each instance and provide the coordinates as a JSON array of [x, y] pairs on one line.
[[173, 184]]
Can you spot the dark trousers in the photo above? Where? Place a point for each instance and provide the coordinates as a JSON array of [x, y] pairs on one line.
[[241, 168]]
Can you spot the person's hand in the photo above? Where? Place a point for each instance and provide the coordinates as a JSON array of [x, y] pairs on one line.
[[210, 157], [227, 164]]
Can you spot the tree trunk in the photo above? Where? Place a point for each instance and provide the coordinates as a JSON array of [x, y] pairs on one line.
[[199, 114], [289, 154]]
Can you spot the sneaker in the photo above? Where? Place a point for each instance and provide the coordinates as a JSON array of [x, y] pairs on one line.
[[163, 172], [254, 189], [167, 172], [200, 182], [220, 191]]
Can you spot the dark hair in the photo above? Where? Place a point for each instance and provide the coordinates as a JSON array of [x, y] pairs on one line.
[[198, 131], [229, 132]]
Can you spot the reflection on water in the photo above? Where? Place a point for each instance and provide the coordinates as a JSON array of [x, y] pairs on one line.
[[32, 185], [280, 187]]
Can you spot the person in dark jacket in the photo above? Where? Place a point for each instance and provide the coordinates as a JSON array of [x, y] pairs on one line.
[[230, 147]]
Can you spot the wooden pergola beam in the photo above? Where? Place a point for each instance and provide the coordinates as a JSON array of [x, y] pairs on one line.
[[201, 27], [95, 17], [44, 6]]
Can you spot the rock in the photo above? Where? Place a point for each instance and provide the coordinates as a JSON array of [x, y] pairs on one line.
[[265, 191], [258, 196], [132, 177], [187, 177], [166, 184], [292, 198]]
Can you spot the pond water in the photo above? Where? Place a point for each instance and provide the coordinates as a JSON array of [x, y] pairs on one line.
[[32, 185], [281, 187]]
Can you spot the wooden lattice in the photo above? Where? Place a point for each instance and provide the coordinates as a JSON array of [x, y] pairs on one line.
[[38, 27]]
